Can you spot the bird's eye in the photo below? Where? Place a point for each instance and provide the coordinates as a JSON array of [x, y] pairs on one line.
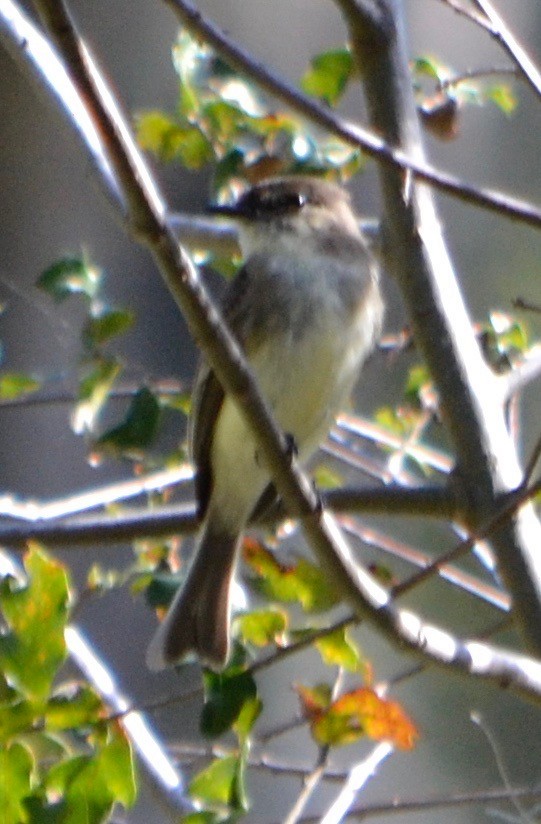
[[276, 203]]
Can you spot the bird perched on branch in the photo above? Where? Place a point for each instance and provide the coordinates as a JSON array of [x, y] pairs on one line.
[[306, 309]]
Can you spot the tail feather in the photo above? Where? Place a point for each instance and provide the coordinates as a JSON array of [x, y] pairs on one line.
[[198, 619]]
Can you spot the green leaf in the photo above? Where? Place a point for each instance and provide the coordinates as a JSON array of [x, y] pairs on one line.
[[71, 276], [328, 75], [96, 782], [16, 765], [162, 589], [16, 717], [326, 478], [153, 130], [227, 167], [107, 325], [303, 582], [94, 391], [33, 648], [202, 818], [219, 784], [139, 427], [503, 97], [225, 119], [15, 384], [76, 706], [337, 649], [171, 140], [418, 378], [430, 67], [261, 627], [250, 712], [225, 695]]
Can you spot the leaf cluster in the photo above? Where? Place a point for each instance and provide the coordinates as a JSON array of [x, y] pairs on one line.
[[60, 759]]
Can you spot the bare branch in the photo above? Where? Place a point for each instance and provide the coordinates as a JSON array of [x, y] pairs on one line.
[[358, 777], [399, 805]]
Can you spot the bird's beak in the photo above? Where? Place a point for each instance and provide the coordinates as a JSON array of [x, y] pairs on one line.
[[224, 209]]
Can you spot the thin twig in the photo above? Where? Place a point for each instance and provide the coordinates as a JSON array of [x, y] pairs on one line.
[[358, 778], [403, 806]]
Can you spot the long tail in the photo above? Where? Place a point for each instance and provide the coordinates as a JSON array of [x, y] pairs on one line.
[[199, 617]]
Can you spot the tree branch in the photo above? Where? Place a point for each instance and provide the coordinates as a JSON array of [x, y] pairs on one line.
[[472, 401]]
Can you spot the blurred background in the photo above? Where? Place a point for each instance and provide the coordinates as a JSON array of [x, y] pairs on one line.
[[51, 207]]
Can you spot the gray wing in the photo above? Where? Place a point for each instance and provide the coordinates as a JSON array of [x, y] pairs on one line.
[[208, 395]]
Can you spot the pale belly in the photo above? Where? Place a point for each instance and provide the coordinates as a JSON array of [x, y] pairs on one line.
[[305, 381]]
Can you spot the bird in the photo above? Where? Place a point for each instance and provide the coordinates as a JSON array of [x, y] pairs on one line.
[[306, 308]]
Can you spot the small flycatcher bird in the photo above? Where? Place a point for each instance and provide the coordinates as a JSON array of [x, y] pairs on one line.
[[306, 308]]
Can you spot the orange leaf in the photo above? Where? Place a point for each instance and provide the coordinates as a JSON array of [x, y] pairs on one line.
[[363, 712]]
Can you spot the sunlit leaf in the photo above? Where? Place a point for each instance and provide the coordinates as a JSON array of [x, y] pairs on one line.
[[250, 712], [418, 377], [303, 582], [33, 648], [171, 140], [430, 67], [261, 627], [16, 765], [338, 649], [328, 75], [221, 784], [503, 97], [16, 384], [96, 782], [107, 325], [70, 276], [94, 391], [225, 118], [356, 714], [327, 478]]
